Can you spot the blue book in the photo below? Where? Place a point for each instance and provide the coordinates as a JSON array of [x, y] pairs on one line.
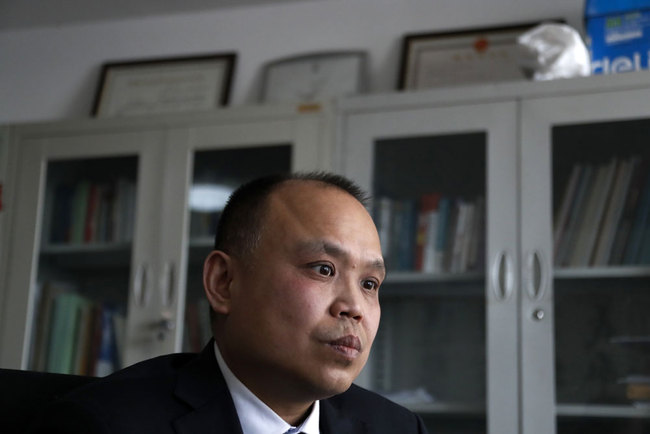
[[106, 361], [444, 211]]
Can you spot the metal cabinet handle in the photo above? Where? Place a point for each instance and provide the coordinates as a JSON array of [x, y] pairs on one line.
[[141, 285], [537, 275], [167, 286], [502, 273]]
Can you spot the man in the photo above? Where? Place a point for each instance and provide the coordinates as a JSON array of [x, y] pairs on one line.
[[293, 287]]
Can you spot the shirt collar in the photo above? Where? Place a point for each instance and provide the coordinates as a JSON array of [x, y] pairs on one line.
[[256, 417]]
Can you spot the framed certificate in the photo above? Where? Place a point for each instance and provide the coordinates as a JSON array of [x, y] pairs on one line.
[[164, 85], [313, 77], [461, 57]]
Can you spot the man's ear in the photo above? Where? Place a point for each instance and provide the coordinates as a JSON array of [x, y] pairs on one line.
[[217, 276]]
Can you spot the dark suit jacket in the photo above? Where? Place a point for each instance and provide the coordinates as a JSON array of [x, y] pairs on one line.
[[186, 393]]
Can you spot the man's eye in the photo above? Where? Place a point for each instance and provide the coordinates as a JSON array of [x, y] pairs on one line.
[[370, 285], [324, 269]]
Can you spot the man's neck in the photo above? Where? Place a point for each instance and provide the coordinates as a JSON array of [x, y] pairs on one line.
[[291, 410]]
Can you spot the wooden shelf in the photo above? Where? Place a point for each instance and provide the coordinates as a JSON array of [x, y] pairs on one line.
[[417, 277], [602, 272], [608, 411], [414, 284], [58, 249], [88, 256]]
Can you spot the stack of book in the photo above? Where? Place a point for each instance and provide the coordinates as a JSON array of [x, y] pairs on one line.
[[74, 335], [198, 330], [90, 212], [432, 234], [603, 215]]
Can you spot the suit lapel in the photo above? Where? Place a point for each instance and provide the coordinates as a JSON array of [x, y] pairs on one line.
[[201, 385], [335, 421]]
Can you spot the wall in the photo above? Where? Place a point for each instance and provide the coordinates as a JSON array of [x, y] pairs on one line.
[[52, 73]]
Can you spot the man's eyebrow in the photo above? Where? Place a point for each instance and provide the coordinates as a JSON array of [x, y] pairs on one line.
[[333, 249]]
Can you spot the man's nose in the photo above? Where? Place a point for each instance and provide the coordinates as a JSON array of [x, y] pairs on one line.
[[348, 302]]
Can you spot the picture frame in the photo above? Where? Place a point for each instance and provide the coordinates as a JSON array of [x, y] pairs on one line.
[[164, 85], [461, 57], [314, 77]]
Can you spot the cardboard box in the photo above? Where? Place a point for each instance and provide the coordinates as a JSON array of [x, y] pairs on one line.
[[618, 34]]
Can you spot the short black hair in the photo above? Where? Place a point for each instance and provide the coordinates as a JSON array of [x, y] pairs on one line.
[[239, 227]]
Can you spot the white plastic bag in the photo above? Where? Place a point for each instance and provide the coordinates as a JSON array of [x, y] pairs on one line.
[[553, 51]]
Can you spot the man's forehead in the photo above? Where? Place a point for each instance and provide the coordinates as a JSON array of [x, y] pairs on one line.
[[305, 194], [294, 185]]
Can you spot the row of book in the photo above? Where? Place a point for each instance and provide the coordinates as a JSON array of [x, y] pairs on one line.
[[603, 217], [432, 234], [198, 330], [92, 212], [74, 335]]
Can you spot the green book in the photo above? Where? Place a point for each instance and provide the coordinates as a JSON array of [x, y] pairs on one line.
[[65, 321]]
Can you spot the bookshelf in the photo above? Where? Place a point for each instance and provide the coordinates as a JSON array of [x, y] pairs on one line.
[[108, 216], [597, 161], [84, 265], [429, 169], [538, 317]]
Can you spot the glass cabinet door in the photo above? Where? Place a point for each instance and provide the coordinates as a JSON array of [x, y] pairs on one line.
[[597, 230], [77, 221], [215, 160], [442, 182], [217, 173]]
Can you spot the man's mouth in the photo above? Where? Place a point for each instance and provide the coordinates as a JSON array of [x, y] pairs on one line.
[[349, 346]]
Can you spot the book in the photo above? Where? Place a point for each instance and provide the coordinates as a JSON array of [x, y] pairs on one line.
[[119, 331], [605, 243], [383, 218], [430, 257], [46, 296], [79, 212], [445, 225], [455, 245], [562, 215], [425, 237], [95, 340], [470, 222], [106, 360], [593, 216], [61, 349], [476, 253], [92, 208], [83, 340], [404, 227], [577, 209], [627, 217]]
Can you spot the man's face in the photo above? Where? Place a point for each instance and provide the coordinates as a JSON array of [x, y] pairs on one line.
[[304, 309]]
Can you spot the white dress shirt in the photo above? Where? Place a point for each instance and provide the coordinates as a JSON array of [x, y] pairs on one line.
[[256, 417]]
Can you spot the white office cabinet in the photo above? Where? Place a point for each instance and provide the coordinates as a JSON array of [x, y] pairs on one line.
[[511, 343], [585, 217], [525, 313], [449, 329], [108, 234]]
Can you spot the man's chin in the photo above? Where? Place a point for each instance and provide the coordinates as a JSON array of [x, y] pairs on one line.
[[335, 385]]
